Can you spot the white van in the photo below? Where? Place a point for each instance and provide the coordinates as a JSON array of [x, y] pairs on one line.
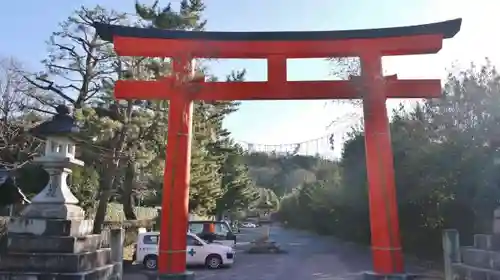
[[198, 252]]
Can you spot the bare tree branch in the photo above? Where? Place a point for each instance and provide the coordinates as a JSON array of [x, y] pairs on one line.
[[14, 90], [343, 68], [50, 87], [78, 61]]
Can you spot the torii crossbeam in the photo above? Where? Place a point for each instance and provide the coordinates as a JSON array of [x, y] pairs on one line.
[[181, 89]]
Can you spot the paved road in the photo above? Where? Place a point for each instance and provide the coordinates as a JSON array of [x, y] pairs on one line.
[[309, 257]]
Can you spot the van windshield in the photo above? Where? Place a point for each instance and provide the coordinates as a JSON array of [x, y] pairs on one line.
[[220, 228]]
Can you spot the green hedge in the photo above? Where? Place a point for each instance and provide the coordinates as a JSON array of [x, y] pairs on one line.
[[115, 212], [3, 232]]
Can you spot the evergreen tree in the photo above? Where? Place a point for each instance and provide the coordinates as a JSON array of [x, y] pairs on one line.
[[238, 189], [212, 183], [205, 178]]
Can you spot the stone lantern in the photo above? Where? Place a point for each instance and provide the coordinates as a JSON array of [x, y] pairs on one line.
[[56, 201], [51, 239]]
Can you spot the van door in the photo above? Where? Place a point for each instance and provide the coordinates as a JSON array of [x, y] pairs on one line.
[[148, 245], [194, 251]]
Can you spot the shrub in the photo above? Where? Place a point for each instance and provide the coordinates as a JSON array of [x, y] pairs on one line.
[[131, 229], [115, 212]]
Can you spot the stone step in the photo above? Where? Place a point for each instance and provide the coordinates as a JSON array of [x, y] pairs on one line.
[[21, 243], [481, 258], [49, 227], [487, 242], [107, 272], [55, 262], [467, 272]]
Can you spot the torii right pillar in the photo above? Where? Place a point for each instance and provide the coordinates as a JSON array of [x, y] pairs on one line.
[[384, 222]]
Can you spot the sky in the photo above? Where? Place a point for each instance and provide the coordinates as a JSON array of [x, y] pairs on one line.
[[25, 27]]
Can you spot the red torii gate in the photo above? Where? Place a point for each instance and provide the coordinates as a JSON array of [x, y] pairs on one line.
[[181, 89]]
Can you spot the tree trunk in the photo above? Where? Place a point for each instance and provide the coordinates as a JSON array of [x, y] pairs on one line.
[[128, 186], [219, 216], [105, 190], [112, 165]]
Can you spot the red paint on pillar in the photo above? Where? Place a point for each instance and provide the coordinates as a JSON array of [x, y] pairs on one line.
[[175, 200], [384, 224], [276, 71]]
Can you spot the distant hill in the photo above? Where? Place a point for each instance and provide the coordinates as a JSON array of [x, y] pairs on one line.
[[283, 173]]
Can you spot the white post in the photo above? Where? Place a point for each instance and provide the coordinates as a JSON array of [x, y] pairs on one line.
[[496, 221], [117, 238], [451, 251]]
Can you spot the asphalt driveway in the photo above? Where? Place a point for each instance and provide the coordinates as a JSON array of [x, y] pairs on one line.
[[309, 257]]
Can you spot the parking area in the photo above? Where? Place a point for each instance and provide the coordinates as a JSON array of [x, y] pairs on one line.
[[308, 257], [247, 266], [244, 238]]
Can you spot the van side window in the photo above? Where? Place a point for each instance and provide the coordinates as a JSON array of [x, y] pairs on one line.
[[196, 228], [150, 239], [221, 229]]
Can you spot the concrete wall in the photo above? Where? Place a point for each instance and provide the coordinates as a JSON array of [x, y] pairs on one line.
[[481, 261]]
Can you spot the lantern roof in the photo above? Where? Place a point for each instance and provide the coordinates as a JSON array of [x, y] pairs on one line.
[[61, 124]]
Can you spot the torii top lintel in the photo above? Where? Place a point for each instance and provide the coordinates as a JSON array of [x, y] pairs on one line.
[[418, 39], [276, 47]]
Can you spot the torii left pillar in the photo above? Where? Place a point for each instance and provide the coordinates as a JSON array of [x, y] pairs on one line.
[[175, 199]]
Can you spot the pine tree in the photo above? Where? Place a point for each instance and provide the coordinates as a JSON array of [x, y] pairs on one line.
[[218, 181], [238, 189], [205, 178]]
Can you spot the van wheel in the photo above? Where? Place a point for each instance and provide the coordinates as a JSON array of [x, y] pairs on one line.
[[213, 261], [151, 262]]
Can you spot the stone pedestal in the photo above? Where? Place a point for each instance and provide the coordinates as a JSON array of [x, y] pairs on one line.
[[55, 249], [375, 276], [188, 275], [265, 247], [56, 201]]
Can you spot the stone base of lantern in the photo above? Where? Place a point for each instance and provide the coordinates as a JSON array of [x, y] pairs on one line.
[[39, 248], [54, 211], [49, 228], [108, 272]]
